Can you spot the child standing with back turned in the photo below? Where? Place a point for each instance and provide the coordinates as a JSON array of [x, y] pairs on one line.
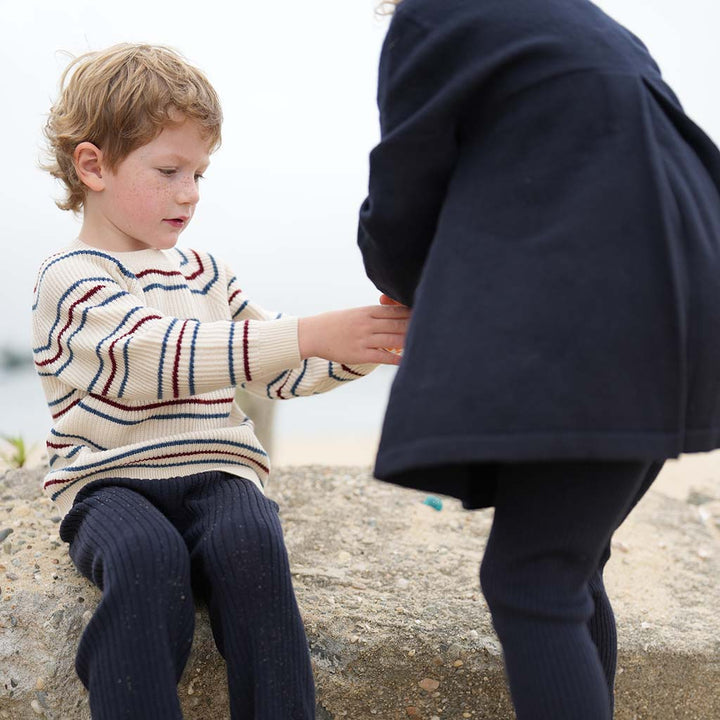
[[139, 346]]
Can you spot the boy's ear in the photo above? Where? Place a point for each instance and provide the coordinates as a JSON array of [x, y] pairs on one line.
[[88, 162]]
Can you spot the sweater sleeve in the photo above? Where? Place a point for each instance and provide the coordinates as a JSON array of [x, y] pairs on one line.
[[310, 377], [420, 79], [95, 335]]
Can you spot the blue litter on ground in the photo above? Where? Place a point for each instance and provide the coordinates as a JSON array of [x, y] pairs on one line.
[[434, 502]]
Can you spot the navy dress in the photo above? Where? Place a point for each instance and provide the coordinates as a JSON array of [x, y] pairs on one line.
[[544, 204]]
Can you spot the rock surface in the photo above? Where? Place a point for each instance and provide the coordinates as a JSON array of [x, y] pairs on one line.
[[389, 592]]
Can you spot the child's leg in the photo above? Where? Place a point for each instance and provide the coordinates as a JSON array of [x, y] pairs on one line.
[[602, 623], [552, 523], [240, 565], [135, 647]]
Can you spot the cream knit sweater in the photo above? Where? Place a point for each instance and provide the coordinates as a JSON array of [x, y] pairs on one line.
[[139, 354]]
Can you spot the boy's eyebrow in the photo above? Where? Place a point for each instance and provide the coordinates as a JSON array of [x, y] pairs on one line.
[[180, 159]]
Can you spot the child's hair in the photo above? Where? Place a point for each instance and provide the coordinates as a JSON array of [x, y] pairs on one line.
[[120, 99]]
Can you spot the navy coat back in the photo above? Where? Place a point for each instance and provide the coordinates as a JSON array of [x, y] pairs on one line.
[[542, 201]]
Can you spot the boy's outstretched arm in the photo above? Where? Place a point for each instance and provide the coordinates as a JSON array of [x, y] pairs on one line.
[[332, 347]]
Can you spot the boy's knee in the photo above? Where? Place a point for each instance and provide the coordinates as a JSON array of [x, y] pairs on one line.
[[143, 558], [242, 549]]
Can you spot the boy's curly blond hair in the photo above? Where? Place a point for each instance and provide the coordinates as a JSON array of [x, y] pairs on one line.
[[120, 99]]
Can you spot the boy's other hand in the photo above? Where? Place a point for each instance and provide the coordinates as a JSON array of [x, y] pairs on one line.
[[355, 336]]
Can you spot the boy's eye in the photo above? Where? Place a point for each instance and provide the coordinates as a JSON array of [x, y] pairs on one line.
[[167, 171], [199, 176]]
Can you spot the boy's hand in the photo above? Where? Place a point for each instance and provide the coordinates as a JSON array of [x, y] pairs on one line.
[[355, 336]]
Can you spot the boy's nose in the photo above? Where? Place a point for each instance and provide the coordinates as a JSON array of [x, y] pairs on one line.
[[189, 193]]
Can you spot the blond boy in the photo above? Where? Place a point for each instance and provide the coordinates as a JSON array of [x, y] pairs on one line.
[[139, 346]]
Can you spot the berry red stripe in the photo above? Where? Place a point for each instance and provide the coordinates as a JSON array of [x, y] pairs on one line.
[[65, 409], [200, 270], [176, 364], [113, 364], [246, 359], [166, 403], [157, 271], [85, 297]]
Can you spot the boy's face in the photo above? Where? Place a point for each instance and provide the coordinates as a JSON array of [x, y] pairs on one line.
[[150, 197]]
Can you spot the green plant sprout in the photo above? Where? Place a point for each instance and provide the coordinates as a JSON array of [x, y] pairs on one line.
[[19, 455]]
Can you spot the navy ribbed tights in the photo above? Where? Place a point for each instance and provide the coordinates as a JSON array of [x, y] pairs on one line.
[[542, 578], [148, 545]]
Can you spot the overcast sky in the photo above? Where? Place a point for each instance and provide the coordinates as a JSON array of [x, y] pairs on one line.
[[297, 81]]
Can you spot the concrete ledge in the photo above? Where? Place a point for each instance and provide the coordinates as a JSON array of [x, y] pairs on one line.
[[389, 592]]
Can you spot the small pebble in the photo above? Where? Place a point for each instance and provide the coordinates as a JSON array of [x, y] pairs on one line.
[[698, 498], [4, 533], [458, 663], [429, 684], [35, 705]]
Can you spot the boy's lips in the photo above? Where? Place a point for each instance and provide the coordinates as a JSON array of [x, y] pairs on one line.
[[177, 222]]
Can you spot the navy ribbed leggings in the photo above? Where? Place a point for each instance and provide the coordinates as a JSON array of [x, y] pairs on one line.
[[148, 545], [542, 578]]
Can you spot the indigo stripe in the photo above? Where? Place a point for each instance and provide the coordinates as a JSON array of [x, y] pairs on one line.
[[168, 416], [231, 366], [98, 347], [192, 358], [331, 373], [268, 387], [62, 399], [300, 377], [69, 255], [162, 359], [240, 309]]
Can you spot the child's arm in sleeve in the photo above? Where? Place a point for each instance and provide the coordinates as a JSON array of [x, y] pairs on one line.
[[343, 335], [94, 335]]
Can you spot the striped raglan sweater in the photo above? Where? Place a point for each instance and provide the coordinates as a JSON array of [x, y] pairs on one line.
[[139, 354]]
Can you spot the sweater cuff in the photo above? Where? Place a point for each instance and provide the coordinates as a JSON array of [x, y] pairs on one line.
[[272, 345], [362, 370]]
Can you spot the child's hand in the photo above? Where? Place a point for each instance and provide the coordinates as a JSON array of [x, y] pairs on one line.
[[387, 300], [355, 336]]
